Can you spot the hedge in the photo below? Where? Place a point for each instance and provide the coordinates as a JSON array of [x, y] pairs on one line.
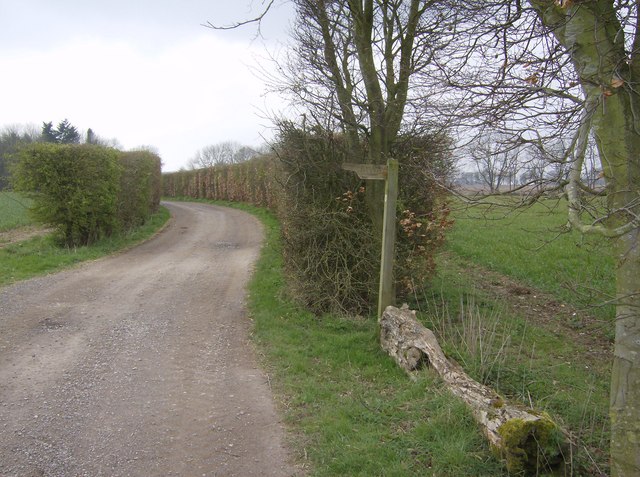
[[253, 182], [85, 191]]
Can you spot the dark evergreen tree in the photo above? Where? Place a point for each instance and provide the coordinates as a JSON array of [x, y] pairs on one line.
[[49, 133], [67, 134], [91, 137]]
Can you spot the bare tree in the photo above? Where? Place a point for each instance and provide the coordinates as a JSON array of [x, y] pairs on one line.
[[552, 72], [228, 152], [352, 69], [495, 163]]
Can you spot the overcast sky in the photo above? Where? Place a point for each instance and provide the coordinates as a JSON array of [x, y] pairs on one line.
[[142, 71]]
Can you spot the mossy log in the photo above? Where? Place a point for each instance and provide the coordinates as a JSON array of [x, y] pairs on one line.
[[527, 440]]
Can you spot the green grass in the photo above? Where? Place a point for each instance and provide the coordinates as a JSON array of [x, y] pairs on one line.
[[40, 255], [358, 414], [523, 361], [352, 411], [13, 211], [530, 246]]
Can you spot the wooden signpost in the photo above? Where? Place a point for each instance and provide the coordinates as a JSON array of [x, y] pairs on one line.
[[389, 174]]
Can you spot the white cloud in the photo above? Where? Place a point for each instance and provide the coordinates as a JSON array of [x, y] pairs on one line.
[[178, 98]]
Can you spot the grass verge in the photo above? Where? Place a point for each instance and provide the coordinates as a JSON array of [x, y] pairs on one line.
[[40, 255], [351, 410]]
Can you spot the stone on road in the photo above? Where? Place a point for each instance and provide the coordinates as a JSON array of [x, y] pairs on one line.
[[140, 364]]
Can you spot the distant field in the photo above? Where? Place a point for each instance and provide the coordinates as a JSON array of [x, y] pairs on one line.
[[532, 246], [13, 211]]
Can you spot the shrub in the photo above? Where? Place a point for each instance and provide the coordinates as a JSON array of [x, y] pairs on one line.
[[140, 187], [423, 212], [74, 188], [332, 253]]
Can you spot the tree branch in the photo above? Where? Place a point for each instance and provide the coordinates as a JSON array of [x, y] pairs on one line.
[[233, 26]]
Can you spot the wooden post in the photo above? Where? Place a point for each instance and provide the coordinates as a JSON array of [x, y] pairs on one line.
[[386, 293], [388, 173]]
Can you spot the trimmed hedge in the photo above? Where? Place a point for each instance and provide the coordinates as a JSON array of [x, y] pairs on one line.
[[87, 192], [253, 182], [140, 187]]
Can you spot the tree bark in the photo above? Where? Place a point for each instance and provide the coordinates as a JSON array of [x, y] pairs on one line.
[[527, 440], [591, 32]]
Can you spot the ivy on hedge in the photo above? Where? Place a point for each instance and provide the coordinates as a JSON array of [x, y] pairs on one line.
[[86, 191]]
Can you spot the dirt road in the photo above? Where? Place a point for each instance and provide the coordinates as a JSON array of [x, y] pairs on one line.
[[139, 364]]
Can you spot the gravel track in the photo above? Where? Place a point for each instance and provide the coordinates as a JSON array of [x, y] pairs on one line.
[[140, 364]]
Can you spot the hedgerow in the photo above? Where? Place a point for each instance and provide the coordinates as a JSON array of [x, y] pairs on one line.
[[86, 191], [253, 181], [140, 187]]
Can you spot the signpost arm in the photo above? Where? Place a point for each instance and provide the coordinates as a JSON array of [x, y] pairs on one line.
[[386, 294]]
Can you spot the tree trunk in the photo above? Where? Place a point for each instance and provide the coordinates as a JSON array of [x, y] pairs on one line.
[[591, 32], [614, 126], [625, 375], [528, 441]]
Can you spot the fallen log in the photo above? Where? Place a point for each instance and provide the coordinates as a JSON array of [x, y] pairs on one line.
[[527, 440]]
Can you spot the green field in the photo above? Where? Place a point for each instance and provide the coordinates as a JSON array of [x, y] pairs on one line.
[[532, 245], [13, 211]]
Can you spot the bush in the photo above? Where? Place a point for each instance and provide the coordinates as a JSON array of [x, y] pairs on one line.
[[332, 252], [88, 192], [140, 187], [74, 188], [423, 212]]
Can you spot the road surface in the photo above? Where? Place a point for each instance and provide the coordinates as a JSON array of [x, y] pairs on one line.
[[140, 364]]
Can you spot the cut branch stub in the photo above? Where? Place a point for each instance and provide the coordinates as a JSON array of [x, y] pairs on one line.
[[527, 440]]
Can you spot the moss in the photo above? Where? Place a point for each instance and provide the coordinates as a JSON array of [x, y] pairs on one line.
[[529, 446], [497, 402]]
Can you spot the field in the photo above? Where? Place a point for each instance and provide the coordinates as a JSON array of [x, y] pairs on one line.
[[533, 246], [13, 211]]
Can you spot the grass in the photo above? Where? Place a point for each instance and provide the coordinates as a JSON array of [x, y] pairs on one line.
[[13, 211], [352, 412], [40, 255], [527, 361], [358, 414], [532, 246], [523, 361]]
